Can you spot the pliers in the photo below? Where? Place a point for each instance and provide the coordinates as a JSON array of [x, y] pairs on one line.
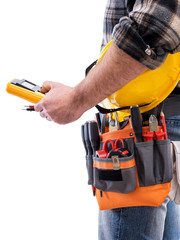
[[154, 133]]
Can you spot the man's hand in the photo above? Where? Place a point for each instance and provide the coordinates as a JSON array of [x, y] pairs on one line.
[[59, 104]]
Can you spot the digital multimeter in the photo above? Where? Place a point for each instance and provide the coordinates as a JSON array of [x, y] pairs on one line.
[[25, 89]]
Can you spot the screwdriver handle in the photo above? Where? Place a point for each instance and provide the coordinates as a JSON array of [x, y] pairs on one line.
[[83, 139], [87, 140], [94, 136], [89, 155], [98, 121], [136, 122]]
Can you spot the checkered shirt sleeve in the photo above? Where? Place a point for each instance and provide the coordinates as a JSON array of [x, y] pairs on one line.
[[147, 30]]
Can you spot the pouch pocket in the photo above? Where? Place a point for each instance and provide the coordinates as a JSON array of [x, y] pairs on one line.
[[163, 161], [121, 180], [154, 162]]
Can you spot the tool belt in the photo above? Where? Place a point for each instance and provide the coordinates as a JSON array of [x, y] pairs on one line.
[[127, 167]]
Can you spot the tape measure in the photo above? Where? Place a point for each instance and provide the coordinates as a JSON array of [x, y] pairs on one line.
[[25, 89]]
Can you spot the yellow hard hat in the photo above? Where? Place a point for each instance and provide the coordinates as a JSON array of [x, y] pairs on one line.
[[149, 89]]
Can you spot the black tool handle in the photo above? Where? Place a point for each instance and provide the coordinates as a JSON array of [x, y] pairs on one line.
[[94, 136], [87, 140], [98, 121], [89, 156], [83, 139], [136, 122]]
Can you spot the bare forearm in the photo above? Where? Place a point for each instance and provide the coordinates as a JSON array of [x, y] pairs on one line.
[[64, 104], [114, 71]]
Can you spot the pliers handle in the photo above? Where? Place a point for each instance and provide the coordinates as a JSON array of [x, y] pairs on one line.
[[113, 144], [157, 135], [148, 136], [104, 152]]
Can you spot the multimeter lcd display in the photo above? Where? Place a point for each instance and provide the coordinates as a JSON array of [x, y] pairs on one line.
[[27, 85], [25, 89]]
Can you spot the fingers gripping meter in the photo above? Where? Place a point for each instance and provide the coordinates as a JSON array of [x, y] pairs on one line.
[[25, 89]]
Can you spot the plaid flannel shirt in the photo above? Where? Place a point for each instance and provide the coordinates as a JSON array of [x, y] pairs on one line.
[[147, 30]]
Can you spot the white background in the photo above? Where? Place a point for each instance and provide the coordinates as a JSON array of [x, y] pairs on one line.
[[43, 181]]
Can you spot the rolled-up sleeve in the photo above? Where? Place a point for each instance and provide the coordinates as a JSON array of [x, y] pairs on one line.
[[149, 31]]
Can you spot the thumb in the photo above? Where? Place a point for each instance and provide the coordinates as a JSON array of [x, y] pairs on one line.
[[46, 87]]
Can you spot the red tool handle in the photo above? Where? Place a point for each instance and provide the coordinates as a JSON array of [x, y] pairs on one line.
[[164, 125], [101, 153], [148, 136], [104, 152], [159, 135], [106, 143], [119, 140]]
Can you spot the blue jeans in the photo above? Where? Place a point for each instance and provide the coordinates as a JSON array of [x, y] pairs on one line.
[[144, 223]]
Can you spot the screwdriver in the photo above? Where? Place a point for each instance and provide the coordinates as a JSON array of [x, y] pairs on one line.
[[87, 140], [94, 140], [98, 121], [89, 155], [82, 135], [86, 149], [136, 122], [94, 136]]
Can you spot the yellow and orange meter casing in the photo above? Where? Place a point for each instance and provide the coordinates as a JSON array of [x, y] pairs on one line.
[[25, 89]]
